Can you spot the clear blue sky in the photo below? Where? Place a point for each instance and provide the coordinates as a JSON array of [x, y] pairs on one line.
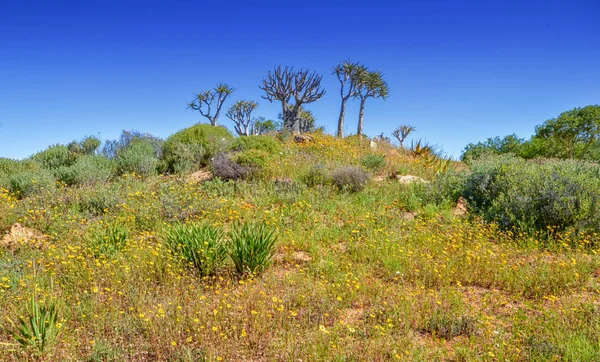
[[460, 71]]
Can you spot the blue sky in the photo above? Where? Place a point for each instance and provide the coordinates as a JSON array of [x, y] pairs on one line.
[[460, 71]]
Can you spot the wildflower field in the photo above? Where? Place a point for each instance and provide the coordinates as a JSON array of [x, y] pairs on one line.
[[287, 266]]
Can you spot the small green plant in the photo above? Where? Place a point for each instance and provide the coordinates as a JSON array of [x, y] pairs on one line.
[[317, 175], [350, 178], [39, 329], [446, 326], [373, 162], [108, 239], [251, 247], [199, 245]]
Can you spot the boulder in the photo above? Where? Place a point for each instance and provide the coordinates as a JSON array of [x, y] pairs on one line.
[[409, 179], [20, 235]]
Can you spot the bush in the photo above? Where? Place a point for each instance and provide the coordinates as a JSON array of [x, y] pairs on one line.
[[266, 144], [111, 148], [139, 158], [109, 239], [201, 246], [212, 139], [536, 195], [373, 162], [317, 175], [183, 158], [26, 183], [255, 160], [350, 178], [54, 157], [87, 146], [223, 167], [88, 170], [252, 246]]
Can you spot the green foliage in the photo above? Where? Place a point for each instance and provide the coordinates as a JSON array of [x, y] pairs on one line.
[[373, 162], [39, 329], [446, 326], [54, 157], [317, 175], [202, 246], [266, 144], [27, 183], [350, 178], [183, 158], [212, 139], [88, 170], [139, 158], [251, 247], [573, 134], [256, 160], [87, 146], [108, 238], [537, 195]]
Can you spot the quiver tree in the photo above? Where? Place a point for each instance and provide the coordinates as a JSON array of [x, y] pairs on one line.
[[206, 100], [347, 73], [306, 120], [402, 132], [285, 84], [241, 114], [370, 85]]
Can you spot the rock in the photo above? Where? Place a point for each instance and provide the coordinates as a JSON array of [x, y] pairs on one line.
[[408, 216], [200, 176], [409, 179], [373, 145], [379, 178], [301, 256], [21, 235], [461, 207], [302, 138]]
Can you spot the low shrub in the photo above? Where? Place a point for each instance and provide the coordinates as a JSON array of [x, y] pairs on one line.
[[223, 167], [202, 246], [373, 162], [26, 183], [139, 158], [255, 160], [54, 157], [251, 247], [183, 158], [350, 178], [317, 175], [88, 170], [536, 195], [443, 325], [266, 144], [212, 139]]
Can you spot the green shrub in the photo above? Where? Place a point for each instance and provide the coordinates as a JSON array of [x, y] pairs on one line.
[[139, 158], [317, 175], [536, 195], [446, 326], [373, 162], [212, 139], [54, 157], [26, 183], [183, 158], [87, 146], [202, 246], [88, 170], [252, 246], [255, 160], [266, 144], [108, 238], [350, 178]]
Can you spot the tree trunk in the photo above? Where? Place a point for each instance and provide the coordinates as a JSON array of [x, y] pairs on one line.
[[340, 130], [213, 121], [361, 116]]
